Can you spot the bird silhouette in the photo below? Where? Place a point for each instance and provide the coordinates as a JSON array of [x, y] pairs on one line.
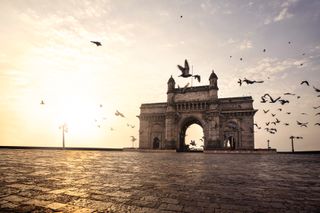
[[301, 64], [317, 114], [282, 101], [288, 93], [267, 123], [286, 124], [117, 113], [42, 102], [185, 70], [289, 42], [303, 113], [273, 114], [239, 82], [266, 111], [316, 89], [133, 138], [288, 113], [316, 107], [301, 124], [277, 120], [251, 81], [280, 109], [264, 50], [305, 82], [197, 77], [181, 16], [96, 43], [241, 59], [257, 126], [317, 124]]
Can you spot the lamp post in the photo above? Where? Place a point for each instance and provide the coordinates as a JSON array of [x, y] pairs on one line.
[[292, 144], [64, 128]]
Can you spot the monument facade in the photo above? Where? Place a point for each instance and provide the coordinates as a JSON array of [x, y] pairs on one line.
[[227, 123]]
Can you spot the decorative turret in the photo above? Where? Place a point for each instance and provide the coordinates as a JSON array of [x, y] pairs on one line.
[[171, 85], [213, 86], [213, 79]]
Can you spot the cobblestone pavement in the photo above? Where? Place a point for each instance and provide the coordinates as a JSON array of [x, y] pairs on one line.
[[99, 181]]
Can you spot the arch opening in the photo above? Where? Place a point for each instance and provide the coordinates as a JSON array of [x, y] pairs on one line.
[[191, 138], [156, 143]]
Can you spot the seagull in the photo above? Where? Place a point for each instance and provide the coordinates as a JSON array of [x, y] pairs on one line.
[[316, 89], [181, 16], [264, 50], [316, 107], [241, 59], [317, 114], [197, 77], [230, 56], [304, 82], [286, 124], [185, 70], [117, 113], [288, 93], [240, 82], [257, 126], [266, 111], [302, 124], [301, 64], [282, 101], [251, 81], [133, 138], [96, 43], [288, 113], [273, 114], [280, 109], [267, 124], [317, 124], [277, 120], [42, 102], [289, 42]]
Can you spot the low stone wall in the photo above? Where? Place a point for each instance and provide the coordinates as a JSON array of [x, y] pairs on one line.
[[241, 151]]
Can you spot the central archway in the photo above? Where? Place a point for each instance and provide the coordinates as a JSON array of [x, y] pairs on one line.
[[183, 145]]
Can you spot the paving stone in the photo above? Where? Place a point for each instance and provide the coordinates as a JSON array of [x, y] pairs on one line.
[[97, 181]]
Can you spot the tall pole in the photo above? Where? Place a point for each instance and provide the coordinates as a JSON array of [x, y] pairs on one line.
[[292, 143], [63, 146]]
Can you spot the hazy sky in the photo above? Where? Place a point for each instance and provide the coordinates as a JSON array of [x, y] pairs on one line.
[[46, 55]]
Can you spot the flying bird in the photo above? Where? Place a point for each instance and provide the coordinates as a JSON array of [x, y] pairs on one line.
[[317, 114], [317, 124], [96, 43], [133, 138], [117, 113], [185, 70], [316, 89], [288, 93], [280, 109], [239, 82], [266, 111], [288, 113], [282, 101], [286, 124], [264, 50], [241, 59], [267, 124], [316, 107], [273, 114], [289, 42], [251, 81], [305, 82], [302, 124], [197, 77], [181, 16]]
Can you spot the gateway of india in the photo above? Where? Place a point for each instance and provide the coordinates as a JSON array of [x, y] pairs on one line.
[[227, 123]]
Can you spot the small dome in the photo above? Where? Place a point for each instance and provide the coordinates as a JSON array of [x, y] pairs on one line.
[[213, 75], [171, 80]]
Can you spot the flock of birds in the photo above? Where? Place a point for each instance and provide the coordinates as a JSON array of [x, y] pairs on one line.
[[266, 98], [270, 126], [117, 113]]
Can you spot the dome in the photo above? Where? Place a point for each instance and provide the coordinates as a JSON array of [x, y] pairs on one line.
[[213, 75], [171, 80]]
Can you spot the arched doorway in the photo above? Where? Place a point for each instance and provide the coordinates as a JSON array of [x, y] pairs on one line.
[[231, 135], [156, 143], [191, 135]]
